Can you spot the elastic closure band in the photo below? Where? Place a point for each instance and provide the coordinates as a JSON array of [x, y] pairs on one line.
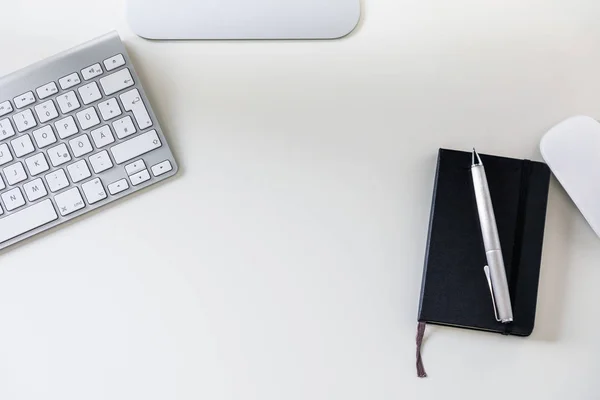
[[518, 239]]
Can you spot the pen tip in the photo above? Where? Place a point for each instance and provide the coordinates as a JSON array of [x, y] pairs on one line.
[[476, 160]]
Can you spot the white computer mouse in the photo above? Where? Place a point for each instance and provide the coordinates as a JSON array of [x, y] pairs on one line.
[[572, 151]]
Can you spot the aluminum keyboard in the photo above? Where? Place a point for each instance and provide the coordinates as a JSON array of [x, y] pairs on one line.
[[76, 132]]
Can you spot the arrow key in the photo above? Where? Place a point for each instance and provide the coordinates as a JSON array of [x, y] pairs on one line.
[[162, 168], [118, 187]]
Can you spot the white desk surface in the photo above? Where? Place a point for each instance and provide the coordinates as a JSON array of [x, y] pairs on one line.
[[285, 261]]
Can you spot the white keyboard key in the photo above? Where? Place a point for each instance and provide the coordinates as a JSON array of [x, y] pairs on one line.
[[101, 162], [89, 93], [59, 155], [24, 120], [68, 102], [135, 147], [2, 185], [57, 180], [22, 145], [133, 102], [13, 199], [6, 129], [162, 168], [46, 111], [44, 136], [70, 201], [81, 145], [26, 220], [91, 72], [35, 190], [24, 100], [15, 173], [37, 164], [109, 109], [124, 127], [135, 166], [47, 90], [114, 62], [66, 127], [140, 177], [5, 108], [118, 187], [94, 191], [5, 154], [69, 81], [116, 82], [79, 171], [102, 136], [88, 118]]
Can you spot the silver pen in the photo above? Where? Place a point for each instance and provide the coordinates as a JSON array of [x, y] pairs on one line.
[[494, 270]]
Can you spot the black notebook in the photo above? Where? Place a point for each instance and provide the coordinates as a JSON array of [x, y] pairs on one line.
[[454, 290]]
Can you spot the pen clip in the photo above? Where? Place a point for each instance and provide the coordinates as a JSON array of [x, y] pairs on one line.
[[488, 276]]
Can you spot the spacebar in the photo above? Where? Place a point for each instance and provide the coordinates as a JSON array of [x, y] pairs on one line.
[[25, 220]]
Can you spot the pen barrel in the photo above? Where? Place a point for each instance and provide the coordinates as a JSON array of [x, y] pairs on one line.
[[499, 285], [485, 209]]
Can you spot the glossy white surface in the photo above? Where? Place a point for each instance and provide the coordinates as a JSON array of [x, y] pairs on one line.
[[572, 150], [243, 19], [285, 259]]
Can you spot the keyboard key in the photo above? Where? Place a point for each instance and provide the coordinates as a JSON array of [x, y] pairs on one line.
[[35, 190], [44, 136], [69, 81], [68, 102], [24, 100], [91, 72], [57, 180], [124, 127], [94, 191], [5, 108], [135, 166], [15, 173], [79, 171], [88, 118], [101, 162], [22, 145], [26, 220], [24, 120], [37, 164], [114, 62], [59, 155], [13, 199], [47, 90], [89, 93], [109, 109], [46, 111], [133, 102], [2, 185], [135, 147], [5, 154], [140, 177], [66, 127], [70, 201], [118, 187], [116, 82], [102, 136], [81, 145], [6, 129], [161, 168]]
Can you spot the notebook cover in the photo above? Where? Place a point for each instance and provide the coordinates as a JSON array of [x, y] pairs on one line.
[[454, 289]]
